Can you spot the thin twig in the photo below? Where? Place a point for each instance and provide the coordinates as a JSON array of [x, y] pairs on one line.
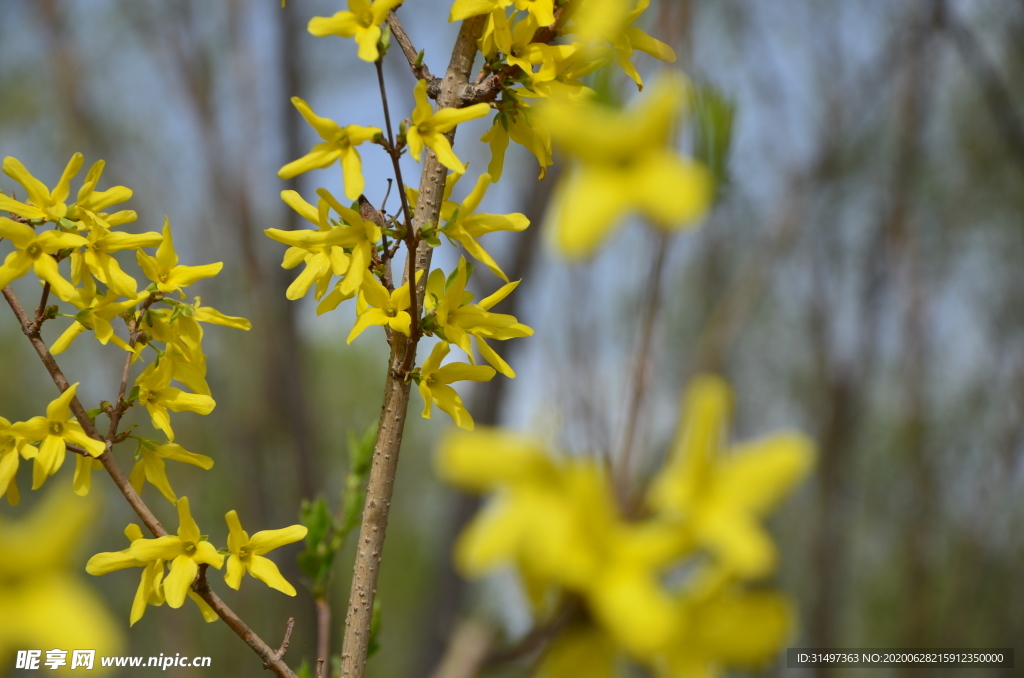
[[323, 628], [410, 235], [41, 311], [640, 367], [287, 638]]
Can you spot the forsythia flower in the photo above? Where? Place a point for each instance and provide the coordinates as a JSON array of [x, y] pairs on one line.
[[95, 313], [434, 385], [361, 21], [12, 448], [383, 308], [35, 252], [150, 590], [428, 128], [320, 250], [556, 521], [96, 259], [150, 466], [517, 127], [359, 236], [53, 431], [454, 317], [163, 269], [247, 554], [186, 551], [465, 226], [158, 396], [45, 205], [723, 496], [338, 142], [626, 164], [92, 201]]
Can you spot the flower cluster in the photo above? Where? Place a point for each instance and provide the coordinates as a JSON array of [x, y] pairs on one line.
[[98, 291], [665, 585], [170, 563]]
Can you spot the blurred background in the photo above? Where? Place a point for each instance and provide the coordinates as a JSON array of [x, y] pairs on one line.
[[861, 279]]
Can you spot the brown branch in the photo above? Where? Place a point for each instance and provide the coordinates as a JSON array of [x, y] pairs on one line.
[[287, 638], [419, 69], [271, 660], [396, 390], [41, 311], [132, 497]]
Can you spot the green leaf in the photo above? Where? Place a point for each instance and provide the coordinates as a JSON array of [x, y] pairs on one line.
[[714, 115]]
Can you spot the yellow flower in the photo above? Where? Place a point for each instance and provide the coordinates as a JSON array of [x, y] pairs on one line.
[[44, 603], [721, 497], [722, 625], [13, 448], [497, 33], [320, 250], [96, 258], [338, 142], [163, 269], [633, 38], [454, 317], [84, 466], [626, 164], [42, 203], [434, 385], [360, 236], [464, 226], [35, 252], [428, 128], [380, 308], [92, 201], [518, 127], [247, 554], [150, 590], [543, 11], [158, 396], [53, 431], [150, 466], [361, 21], [186, 551], [95, 313]]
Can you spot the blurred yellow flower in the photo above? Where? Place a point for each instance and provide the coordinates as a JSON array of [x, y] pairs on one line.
[[338, 142], [186, 551], [13, 448], [625, 163], [361, 21], [43, 602], [429, 128], [721, 496], [247, 554]]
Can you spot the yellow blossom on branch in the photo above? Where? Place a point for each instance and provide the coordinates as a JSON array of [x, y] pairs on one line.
[[338, 142], [186, 551], [35, 253], [150, 466], [435, 385], [163, 269], [96, 311], [13, 448], [159, 397], [42, 203], [428, 128], [94, 202], [53, 432], [247, 554], [150, 590], [381, 308], [320, 250], [625, 164], [96, 259], [361, 21]]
